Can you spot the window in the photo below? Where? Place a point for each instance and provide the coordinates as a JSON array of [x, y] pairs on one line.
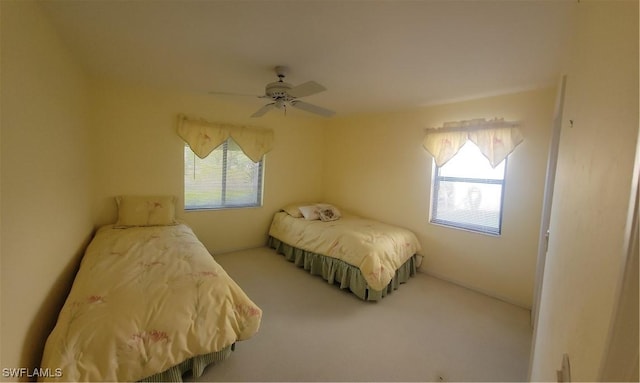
[[468, 192], [226, 178]]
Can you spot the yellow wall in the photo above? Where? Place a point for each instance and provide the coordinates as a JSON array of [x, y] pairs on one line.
[[136, 150], [592, 192], [375, 165], [59, 128], [45, 179]]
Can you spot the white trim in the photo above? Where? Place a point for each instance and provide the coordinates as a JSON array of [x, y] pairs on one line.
[[475, 289]]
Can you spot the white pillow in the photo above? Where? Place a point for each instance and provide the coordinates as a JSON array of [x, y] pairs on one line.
[[146, 211], [310, 212]]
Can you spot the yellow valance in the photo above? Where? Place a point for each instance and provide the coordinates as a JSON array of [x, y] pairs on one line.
[[496, 139], [204, 136]]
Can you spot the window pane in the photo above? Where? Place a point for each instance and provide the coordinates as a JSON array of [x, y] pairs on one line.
[[203, 179], [469, 162], [225, 178], [243, 178], [469, 204], [467, 192]]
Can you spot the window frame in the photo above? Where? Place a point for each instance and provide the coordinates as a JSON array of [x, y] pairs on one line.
[[259, 192], [436, 182]]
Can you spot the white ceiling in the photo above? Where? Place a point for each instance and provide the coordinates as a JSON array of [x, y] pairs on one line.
[[371, 55]]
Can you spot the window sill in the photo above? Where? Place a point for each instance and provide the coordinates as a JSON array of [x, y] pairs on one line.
[[196, 209]]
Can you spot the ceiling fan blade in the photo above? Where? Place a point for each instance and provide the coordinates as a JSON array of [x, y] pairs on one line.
[[306, 89], [312, 108], [264, 110]]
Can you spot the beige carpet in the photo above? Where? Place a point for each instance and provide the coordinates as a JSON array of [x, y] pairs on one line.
[[428, 330]]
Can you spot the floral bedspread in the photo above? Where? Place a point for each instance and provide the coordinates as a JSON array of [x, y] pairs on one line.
[[146, 299], [376, 248]]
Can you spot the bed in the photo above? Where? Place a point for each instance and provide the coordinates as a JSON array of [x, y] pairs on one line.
[[368, 257], [148, 304]]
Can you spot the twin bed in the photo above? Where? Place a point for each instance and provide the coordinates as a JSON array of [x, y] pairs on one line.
[[150, 303], [368, 257]]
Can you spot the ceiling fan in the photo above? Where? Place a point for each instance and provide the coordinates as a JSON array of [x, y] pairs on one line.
[[282, 94]]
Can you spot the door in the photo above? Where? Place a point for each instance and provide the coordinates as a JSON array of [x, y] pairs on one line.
[[543, 239]]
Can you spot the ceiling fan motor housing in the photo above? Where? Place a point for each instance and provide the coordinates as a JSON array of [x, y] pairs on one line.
[[278, 90]]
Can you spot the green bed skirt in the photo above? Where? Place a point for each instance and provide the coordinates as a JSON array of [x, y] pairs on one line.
[[196, 365], [339, 272]]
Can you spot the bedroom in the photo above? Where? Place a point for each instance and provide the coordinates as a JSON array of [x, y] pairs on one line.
[[63, 130]]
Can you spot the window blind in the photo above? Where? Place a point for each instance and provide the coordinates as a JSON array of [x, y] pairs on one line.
[[225, 178], [468, 192]]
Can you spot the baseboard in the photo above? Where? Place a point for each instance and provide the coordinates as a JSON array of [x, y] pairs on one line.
[[475, 289]]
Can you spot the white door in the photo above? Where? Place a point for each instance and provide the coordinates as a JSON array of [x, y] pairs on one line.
[[552, 162], [543, 239]]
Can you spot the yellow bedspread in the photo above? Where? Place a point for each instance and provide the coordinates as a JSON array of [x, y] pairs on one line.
[[376, 248], [146, 299]]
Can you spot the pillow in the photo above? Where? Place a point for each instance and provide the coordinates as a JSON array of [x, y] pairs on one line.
[[146, 211], [310, 212], [328, 212], [294, 209]]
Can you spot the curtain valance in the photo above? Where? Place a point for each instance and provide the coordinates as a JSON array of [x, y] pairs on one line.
[[496, 139], [204, 136]]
